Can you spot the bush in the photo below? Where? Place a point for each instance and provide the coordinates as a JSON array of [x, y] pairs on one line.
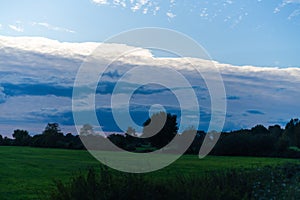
[[257, 183]]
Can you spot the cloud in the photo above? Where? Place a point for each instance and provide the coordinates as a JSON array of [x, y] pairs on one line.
[[170, 15], [144, 6], [233, 98], [291, 1], [36, 90], [285, 3], [295, 13], [18, 27], [2, 95], [255, 112], [276, 10], [42, 47], [22, 108], [101, 2], [53, 28], [228, 11], [37, 76]]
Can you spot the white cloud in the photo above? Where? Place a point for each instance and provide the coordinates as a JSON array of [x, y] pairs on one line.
[[121, 3], [229, 1], [17, 28], [140, 4], [170, 14], [292, 1], [283, 4], [294, 14], [51, 27], [276, 10], [269, 90], [0, 26], [101, 2], [144, 6]]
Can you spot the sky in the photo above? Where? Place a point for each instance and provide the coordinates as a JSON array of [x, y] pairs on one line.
[[255, 45], [262, 33]]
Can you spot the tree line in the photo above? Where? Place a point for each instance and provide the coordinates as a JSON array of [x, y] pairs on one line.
[[51, 137], [258, 141]]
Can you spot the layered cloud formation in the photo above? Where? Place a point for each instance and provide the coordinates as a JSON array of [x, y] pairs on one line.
[[37, 77]]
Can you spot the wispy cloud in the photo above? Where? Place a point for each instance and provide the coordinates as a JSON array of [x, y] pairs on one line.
[[2, 95], [284, 3], [295, 13], [101, 2], [18, 27], [170, 15], [144, 6], [141, 4], [52, 27]]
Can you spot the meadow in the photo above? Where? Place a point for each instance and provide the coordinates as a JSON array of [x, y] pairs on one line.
[[29, 173]]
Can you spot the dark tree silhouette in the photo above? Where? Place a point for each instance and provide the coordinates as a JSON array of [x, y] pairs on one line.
[[22, 137], [160, 129], [52, 129], [259, 130], [51, 137], [276, 131], [1, 140], [292, 132]]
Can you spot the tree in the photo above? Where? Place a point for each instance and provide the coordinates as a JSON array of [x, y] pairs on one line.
[[51, 137], [7, 141], [297, 134], [259, 130], [160, 129], [276, 131], [292, 132], [52, 129], [22, 137]]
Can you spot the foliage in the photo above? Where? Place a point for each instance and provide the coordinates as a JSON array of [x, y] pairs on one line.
[[54, 138], [22, 137], [260, 183], [160, 129], [257, 141], [292, 131]]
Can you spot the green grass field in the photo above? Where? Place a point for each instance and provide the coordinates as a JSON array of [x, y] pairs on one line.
[[28, 173]]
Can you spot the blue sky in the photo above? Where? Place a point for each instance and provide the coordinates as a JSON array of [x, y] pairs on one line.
[[263, 33], [255, 45]]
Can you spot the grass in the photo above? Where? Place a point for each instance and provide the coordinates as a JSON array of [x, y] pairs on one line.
[[28, 173]]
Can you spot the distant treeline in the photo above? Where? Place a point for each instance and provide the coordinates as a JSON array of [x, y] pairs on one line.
[[51, 137], [258, 141]]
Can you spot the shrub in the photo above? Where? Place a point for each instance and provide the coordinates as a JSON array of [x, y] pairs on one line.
[[257, 183]]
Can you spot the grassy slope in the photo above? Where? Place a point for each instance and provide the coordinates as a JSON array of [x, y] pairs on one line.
[[25, 173]]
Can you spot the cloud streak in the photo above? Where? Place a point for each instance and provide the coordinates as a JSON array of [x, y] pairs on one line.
[[17, 28], [101, 2], [53, 28], [144, 6], [285, 3]]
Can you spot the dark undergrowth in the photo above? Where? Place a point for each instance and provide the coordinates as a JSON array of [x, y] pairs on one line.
[[279, 182]]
